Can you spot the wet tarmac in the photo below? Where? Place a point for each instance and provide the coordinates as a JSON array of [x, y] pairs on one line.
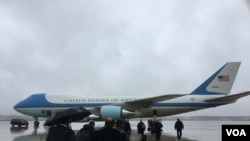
[[194, 131]]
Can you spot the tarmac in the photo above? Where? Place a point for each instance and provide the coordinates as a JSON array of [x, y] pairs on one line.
[[150, 137], [40, 133], [200, 130]]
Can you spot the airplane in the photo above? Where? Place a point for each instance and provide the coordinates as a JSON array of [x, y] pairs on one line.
[[211, 93]]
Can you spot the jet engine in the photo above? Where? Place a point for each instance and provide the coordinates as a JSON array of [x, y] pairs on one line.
[[116, 112]]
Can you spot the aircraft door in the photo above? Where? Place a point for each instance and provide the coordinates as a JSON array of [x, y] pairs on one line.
[[46, 112]]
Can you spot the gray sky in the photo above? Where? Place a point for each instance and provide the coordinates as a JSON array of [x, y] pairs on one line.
[[121, 48]]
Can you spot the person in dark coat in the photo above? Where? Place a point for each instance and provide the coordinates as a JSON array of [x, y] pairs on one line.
[[119, 126], [86, 132], [140, 129], [61, 132], [127, 128], [179, 127], [158, 129], [92, 127], [108, 133]]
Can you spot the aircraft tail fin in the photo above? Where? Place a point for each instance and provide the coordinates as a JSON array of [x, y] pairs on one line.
[[220, 82]]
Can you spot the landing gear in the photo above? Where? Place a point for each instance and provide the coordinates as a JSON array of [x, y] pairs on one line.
[[154, 115], [36, 122]]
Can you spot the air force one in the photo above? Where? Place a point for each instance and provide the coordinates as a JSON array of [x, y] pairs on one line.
[[211, 93]]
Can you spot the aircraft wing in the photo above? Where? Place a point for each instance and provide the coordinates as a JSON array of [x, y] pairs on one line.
[[156, 98], [140, 103], [230, 98], [147, 102]]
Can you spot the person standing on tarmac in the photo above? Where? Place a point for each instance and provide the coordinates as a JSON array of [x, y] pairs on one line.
[[141, 128], [61, 132], [158, 129], [127, 128], [108, 132], [86, 132], [119, 126], [92, 127], [179, 127]]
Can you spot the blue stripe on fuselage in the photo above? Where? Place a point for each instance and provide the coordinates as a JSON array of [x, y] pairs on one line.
[[203, 105]]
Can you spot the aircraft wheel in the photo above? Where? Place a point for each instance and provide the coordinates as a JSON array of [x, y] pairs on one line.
[[36, 123]]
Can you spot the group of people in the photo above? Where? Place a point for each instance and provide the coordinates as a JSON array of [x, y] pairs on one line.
[[112, 131], [118, 130], [155, 126]]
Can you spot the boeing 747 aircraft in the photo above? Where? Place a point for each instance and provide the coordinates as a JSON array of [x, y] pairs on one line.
[[211, 93]]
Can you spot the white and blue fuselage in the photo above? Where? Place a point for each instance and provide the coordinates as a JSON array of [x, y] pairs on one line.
[[211, 93], [42, 105]]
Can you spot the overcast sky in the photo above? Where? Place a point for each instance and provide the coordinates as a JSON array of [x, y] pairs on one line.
[[129, 47]]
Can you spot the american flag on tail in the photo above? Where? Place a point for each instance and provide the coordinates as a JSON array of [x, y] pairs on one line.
[[223, 77]]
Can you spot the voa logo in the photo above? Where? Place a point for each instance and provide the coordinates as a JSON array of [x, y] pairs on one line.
[[236, 132]]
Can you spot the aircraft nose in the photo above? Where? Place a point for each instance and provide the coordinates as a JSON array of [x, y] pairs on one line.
[[17, 106], [25, 106]]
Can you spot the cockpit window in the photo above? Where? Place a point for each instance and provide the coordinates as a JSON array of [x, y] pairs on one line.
[[29, 97]]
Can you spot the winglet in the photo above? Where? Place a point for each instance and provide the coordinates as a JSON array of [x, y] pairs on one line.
[[220, 82]]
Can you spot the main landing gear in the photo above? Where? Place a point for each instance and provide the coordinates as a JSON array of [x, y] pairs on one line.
[[36, 122]]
